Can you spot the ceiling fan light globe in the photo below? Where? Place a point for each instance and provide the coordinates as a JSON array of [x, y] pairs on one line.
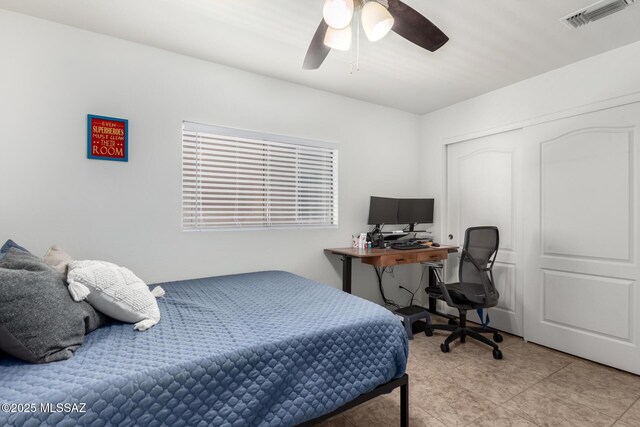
[[338, 13], [338, 39], [376, 20]]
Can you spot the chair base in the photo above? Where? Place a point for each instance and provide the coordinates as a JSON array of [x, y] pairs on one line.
[[462, 331]]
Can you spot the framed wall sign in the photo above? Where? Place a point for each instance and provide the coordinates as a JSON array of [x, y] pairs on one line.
[[107, 138]]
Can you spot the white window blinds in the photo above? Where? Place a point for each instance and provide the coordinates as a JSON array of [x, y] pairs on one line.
[[235, 179]]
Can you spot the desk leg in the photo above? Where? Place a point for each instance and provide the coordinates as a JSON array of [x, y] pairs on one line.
[[346, 274], [433, 307]]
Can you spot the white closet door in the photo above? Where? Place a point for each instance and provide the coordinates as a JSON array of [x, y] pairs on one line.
[[483, 188], [581, 228]]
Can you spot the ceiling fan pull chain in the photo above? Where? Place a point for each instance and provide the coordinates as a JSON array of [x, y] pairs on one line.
[[354, 42], [357, 24]]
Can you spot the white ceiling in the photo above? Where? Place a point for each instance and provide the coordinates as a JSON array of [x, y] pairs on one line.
[[493, 43]]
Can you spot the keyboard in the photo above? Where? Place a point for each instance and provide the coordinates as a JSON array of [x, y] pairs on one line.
[[407, 245]]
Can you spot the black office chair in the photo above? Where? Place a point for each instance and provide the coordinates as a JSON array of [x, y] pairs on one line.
[[475, 289]]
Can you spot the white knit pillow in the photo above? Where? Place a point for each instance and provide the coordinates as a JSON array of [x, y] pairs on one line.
[[115, 291]]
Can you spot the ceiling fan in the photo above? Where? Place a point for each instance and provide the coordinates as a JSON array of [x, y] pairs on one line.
[[378, 17]]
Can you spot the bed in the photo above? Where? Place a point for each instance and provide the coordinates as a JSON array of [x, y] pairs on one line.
[[268, 348]]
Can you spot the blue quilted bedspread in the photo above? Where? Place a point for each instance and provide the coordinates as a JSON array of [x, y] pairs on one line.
[[266, 349]]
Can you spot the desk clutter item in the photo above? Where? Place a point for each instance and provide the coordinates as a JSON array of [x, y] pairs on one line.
[[359, 241], [407, 245]]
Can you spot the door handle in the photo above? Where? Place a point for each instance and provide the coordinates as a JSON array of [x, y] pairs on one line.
[[450, 236]]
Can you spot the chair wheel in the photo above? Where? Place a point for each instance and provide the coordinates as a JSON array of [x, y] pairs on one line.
[[444, 347], [497, 337], [497, 354], [428, 332], [452, 322]]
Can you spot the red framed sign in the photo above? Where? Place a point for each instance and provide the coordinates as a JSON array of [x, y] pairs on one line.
[[107, 138]]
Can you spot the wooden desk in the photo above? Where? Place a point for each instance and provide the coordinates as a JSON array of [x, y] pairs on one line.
[[387, 258]]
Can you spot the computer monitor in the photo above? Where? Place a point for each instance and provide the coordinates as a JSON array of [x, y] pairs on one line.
[[415, 211], [383, 210]]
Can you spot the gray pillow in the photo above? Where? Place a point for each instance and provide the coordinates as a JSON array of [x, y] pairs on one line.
[[39, 322]]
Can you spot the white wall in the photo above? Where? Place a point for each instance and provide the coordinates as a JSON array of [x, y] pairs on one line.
[[597, 79], [52, 76]]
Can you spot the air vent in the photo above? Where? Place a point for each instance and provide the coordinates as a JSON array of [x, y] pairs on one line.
[[595, 12]]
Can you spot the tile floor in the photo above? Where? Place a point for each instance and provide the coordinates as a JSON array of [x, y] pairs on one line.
[[531, 386]]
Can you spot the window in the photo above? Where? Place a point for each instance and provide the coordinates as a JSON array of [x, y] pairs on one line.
[[235, 179]]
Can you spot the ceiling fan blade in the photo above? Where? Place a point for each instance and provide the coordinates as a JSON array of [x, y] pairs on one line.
[[317, 51], [414, 27]]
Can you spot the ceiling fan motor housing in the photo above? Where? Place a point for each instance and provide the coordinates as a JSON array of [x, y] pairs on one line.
[[378, 18]]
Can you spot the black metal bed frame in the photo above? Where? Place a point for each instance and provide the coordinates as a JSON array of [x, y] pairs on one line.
[[386, 388]]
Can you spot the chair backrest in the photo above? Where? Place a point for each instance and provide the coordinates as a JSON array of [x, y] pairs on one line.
[[477, 259]]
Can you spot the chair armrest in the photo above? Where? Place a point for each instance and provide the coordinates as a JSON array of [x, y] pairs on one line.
[[484, 271], [433, 291], [445, 294]]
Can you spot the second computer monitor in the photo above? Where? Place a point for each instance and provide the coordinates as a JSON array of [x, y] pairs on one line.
[[415, 211], [383, 210]]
